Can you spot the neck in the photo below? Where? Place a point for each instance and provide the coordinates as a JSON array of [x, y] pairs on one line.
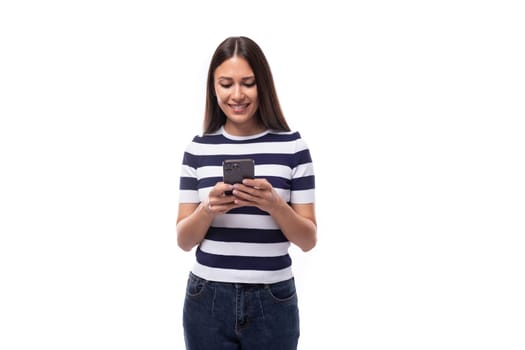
[[243, 130]]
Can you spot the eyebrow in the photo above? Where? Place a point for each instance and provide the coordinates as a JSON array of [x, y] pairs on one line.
[[229, 78]]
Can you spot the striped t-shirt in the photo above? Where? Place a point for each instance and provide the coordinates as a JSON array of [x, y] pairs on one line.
[[245, 245]]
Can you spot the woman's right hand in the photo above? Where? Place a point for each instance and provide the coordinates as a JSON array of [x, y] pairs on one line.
[[218, 202], [194, 219]]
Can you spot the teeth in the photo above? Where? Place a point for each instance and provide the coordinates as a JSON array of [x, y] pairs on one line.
[[238, 107]]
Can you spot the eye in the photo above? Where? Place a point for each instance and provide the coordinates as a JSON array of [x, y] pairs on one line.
[[250, 84], [226, 86]]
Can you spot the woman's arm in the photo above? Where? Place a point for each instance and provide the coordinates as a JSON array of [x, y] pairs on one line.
[[193, 222], [297, 222], [194, 219]]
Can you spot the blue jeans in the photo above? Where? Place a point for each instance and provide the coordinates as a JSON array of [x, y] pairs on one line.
[[224, 316]]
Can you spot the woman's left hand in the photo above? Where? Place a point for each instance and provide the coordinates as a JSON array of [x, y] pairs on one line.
[[258, 193]]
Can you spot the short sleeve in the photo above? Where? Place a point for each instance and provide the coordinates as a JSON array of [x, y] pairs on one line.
[[302, 190], [188, 184]]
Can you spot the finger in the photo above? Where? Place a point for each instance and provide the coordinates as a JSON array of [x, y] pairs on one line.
[[221, 208], [248, 188], [223, 200], [220, 188], [251, 195], [251, 182], [260, 184]]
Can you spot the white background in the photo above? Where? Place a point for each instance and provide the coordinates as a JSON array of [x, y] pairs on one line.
[[413, 111]]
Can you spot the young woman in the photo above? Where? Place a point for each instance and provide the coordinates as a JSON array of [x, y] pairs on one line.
[[241, 293]]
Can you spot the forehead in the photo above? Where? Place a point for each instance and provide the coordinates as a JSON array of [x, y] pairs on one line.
[[234, 67]]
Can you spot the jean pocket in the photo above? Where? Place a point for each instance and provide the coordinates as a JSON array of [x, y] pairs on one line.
[[195, 286], [282, 291]]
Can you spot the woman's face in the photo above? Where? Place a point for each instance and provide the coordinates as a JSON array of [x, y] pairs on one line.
[[236, 92]]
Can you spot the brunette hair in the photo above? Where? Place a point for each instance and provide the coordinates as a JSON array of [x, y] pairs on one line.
[[269, 112]]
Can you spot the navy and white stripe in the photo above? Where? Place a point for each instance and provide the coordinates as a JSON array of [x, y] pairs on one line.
[[245, 245]]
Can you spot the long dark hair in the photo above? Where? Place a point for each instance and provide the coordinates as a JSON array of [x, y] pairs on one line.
[[269, 112]]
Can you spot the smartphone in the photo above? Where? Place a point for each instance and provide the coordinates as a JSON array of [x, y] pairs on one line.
[[235, 170]]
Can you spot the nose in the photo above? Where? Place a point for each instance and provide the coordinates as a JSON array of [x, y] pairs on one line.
[[237, 93]]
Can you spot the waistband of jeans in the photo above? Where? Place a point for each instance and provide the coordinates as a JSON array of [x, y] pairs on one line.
[[239, 284]]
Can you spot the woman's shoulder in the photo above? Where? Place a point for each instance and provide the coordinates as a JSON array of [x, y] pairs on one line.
[[208, 138], [291, 135]]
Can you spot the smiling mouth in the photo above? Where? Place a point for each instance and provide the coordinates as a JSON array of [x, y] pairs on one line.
[[239, 107]]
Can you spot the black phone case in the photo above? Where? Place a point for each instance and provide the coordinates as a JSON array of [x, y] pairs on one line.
[[235, 170]]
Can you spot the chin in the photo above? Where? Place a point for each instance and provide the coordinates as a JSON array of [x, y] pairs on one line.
[[240, 118]]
